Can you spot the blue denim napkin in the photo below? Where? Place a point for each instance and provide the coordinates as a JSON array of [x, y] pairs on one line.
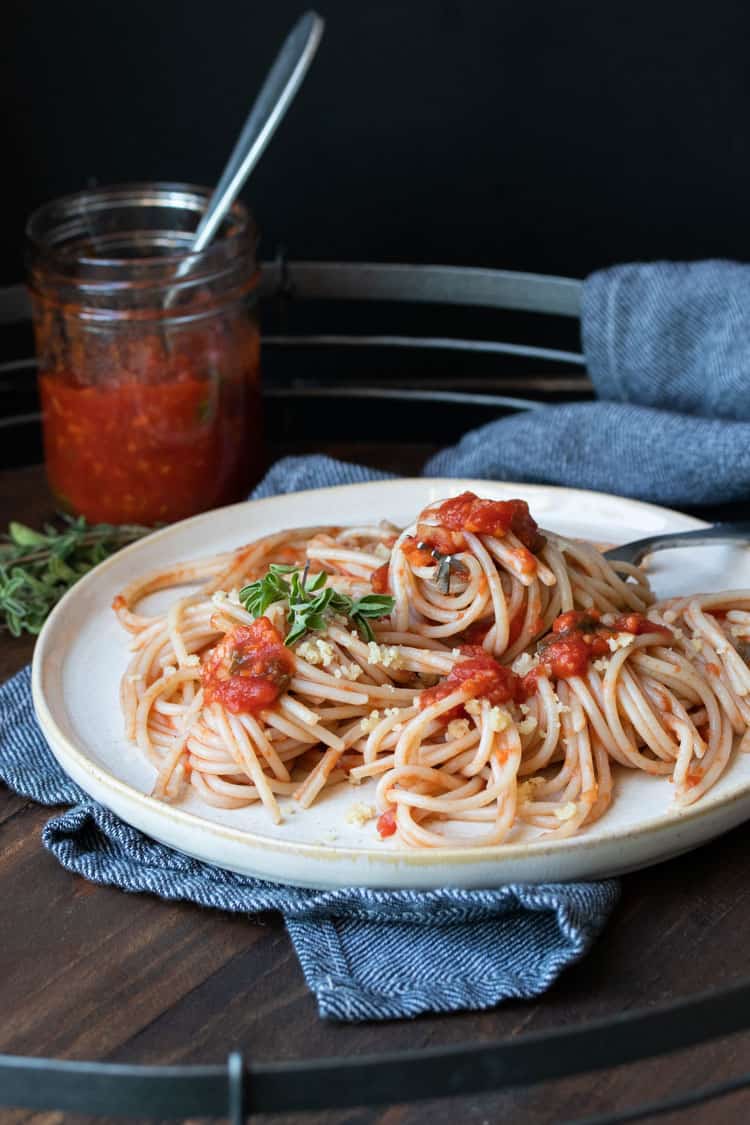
[[668, 347], [367, 955]]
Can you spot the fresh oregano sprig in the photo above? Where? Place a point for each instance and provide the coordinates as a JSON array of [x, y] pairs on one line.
[[311, 603], [258, 596], [38, 567]]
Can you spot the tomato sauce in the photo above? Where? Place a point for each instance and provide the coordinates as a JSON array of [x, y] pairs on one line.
[[148, 435], [638, 624], [379, 579], [516, 625], [693, 777], [249, 669], [490, 517], [479, 674], [386, 824], [418, 555], [572, 653], [578, 637], [476, 633]]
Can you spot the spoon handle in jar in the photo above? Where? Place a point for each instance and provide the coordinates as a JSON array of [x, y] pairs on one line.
[[276, 95]]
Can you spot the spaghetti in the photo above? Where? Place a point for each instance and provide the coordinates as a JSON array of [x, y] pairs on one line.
[[480, 674]]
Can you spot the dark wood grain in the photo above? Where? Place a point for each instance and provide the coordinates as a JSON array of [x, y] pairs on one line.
[[90, 972]]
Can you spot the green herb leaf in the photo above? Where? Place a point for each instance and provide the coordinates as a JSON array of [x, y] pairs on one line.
[[363, 627], [38, 567], [372, 605], [24, 536], [311, 603]]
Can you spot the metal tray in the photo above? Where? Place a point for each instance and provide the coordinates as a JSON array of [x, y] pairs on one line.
[[335, 333]]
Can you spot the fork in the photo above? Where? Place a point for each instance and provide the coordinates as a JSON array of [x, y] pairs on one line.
[[636, 551]]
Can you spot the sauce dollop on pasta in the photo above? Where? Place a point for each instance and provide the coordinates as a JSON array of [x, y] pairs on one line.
[[490, 517], [578, 637], [479, 674], [249, 669]]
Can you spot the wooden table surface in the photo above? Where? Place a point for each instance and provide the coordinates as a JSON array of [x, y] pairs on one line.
[[89, 972]]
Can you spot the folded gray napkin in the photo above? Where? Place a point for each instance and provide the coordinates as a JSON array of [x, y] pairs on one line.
[[667, 347]]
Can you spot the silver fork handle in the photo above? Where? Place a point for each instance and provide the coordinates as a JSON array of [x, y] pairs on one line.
[[636, 551]]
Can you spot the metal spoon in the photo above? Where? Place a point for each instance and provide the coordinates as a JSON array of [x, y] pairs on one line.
[[636, 551], [276, 95]]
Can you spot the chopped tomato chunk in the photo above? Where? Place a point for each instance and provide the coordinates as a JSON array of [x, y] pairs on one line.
[[379, 579], [135, 431], [387, 823], [490, 517], [578, 637], [249, 669], [417, 555], [638, 624], [479, 674]]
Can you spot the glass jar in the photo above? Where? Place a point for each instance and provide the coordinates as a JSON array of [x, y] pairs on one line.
[[149, 356]]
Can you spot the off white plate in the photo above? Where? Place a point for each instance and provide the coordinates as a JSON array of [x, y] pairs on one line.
[[82, 652]]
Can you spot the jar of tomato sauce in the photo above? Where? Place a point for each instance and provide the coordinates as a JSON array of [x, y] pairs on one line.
[[148, 354]]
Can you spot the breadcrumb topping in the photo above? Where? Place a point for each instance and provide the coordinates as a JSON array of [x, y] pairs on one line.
[[523, 664], [317, 652], [386, 656], [457, 728], [360, 814], [348, 672], [368, 724], [621, 640], [499, 719]]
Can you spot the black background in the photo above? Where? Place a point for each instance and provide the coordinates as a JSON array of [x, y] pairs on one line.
[[547, 136]]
